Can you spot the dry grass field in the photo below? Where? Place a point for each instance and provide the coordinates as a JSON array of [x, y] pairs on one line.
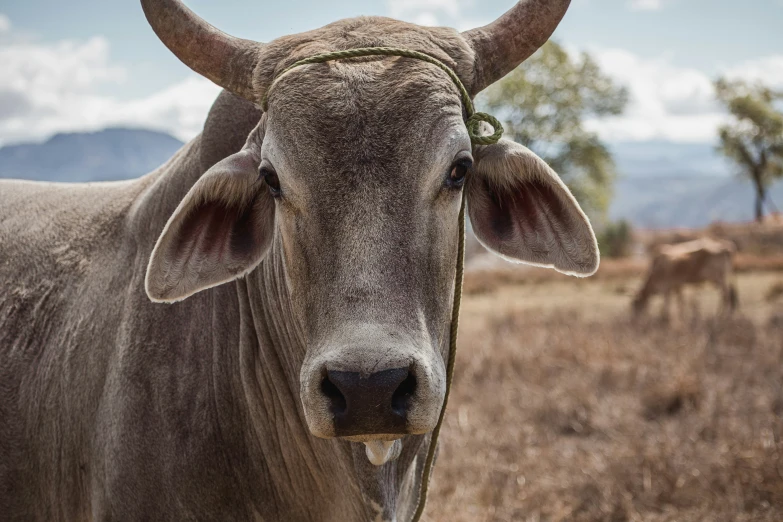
[[565, 409]]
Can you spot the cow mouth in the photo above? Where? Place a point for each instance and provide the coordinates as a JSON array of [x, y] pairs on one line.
[[373, 437]]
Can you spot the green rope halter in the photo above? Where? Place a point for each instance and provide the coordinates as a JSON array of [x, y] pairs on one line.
[[458, 277], [472, 123], [474, 119]]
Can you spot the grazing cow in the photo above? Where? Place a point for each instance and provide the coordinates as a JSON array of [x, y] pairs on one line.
[[691, 263], [292, 318]]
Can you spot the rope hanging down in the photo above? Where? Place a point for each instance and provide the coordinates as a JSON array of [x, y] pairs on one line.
[[427, 471], [474, 118], [472, 123]]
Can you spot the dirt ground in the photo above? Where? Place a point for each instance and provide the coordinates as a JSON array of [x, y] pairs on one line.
[[565, 409]]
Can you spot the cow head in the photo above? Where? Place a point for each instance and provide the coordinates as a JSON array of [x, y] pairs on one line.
[[354, 177]]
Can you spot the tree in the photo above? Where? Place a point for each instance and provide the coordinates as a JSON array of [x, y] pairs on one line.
[[754, 137], [543, 104]]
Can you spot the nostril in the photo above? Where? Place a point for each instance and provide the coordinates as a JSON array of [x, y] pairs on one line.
[[402, 395], [374, 403], [335, 396]]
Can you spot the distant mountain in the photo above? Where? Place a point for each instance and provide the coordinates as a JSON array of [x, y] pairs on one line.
[[665, 184], [664, 158], [110, 154], [681, 201]]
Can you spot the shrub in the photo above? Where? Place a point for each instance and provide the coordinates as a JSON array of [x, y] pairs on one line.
[[616, 239]]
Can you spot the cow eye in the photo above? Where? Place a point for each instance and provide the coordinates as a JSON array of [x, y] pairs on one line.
[[271, 180], [458, 172]]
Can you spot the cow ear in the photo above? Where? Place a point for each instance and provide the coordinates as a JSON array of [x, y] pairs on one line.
[[521, 210], [220, 231]]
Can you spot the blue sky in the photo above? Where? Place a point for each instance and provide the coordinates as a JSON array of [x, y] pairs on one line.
[[85, 64]]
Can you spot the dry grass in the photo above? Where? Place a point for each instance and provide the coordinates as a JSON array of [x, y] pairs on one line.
[[564, 409], [486, 274], [775, 291], [750, 238], [760, 248]]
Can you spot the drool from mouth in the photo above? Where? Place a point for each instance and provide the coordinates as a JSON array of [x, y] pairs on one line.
[[379, 452]]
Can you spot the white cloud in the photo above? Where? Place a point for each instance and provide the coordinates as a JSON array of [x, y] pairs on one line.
[[179, 109], [666, 102], [48, 88], [432, 12], [422, 12], [670, 102], [767, 69], [645, 5], [5, 23]]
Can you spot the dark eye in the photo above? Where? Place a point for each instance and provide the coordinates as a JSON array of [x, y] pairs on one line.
[[458, 172], [271, 180]]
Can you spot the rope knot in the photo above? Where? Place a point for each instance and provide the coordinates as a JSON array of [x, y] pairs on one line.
[[473, 124]]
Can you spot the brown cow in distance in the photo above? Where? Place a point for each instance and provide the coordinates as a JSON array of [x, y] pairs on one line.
[[691, 263]]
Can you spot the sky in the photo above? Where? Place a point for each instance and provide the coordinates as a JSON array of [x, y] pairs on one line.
[[88, 64]]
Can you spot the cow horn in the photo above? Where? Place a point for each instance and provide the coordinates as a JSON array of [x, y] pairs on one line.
[[226, 60], [512, 38]]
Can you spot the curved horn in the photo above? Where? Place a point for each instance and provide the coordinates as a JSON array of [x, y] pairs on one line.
[[224, 59], [512, 38]]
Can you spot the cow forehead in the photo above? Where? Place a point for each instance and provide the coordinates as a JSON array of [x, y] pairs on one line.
[[389, 114]]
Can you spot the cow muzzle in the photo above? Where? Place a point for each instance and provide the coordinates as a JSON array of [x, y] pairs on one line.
[[373, 392]]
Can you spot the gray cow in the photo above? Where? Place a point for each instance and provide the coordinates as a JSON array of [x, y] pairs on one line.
[[313, 250]]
